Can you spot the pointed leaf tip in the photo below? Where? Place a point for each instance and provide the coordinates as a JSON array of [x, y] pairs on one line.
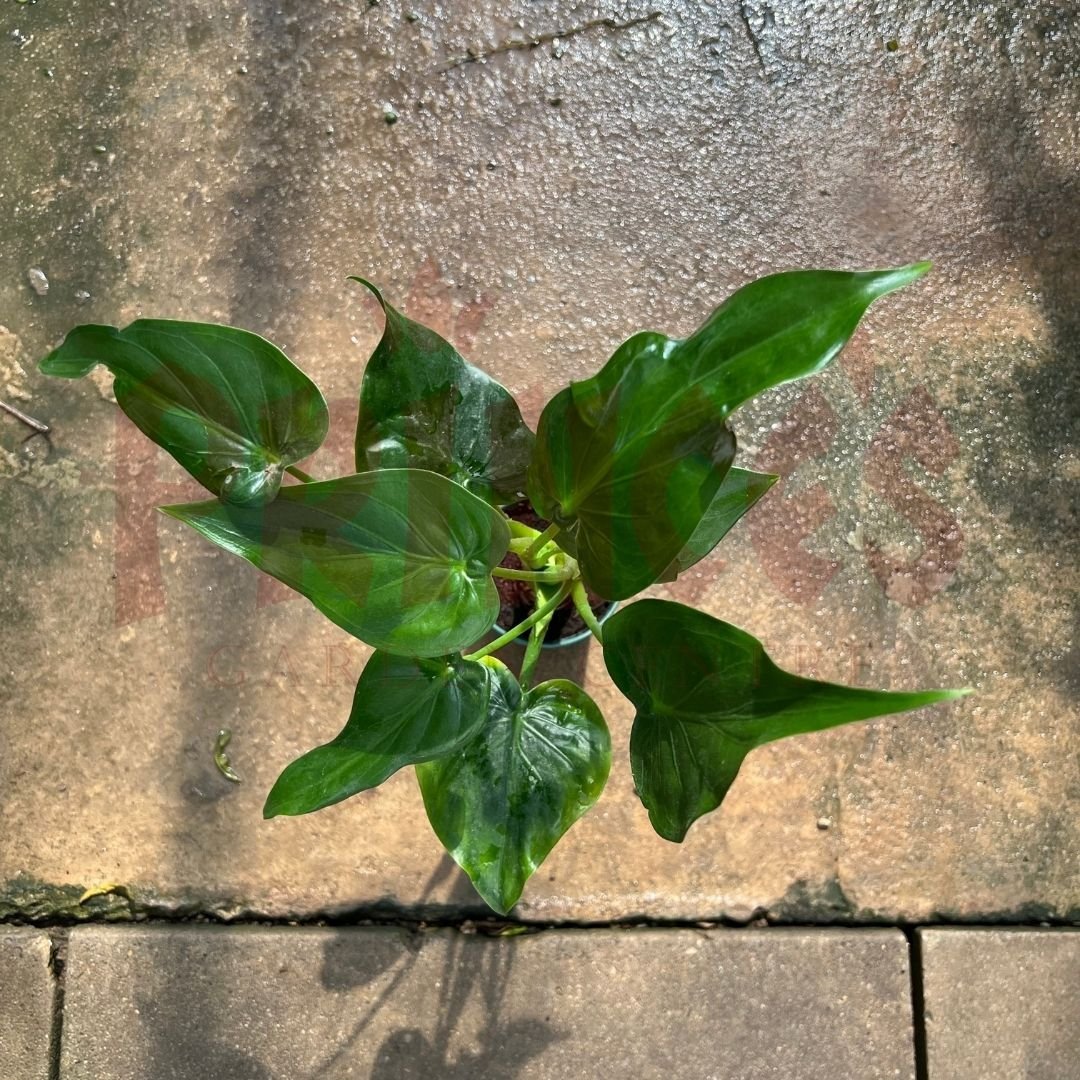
[[738, 492], [226, 403], [631, 459], [368, 285], [537, 763], [422, 405], [887, 281], [405, 711], [706, 694]]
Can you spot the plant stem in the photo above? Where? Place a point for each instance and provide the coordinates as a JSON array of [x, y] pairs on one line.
[[534, 549], [581, 602], [541, 577], [292, 470], [532, 652], [520, 531], [525, 624], [520, 544]]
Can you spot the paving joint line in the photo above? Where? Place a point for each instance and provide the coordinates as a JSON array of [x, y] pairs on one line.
[[918, 1003], [495, 926], [58, 939]]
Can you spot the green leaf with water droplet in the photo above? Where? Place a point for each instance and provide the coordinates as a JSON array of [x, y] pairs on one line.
[[405, 710], [423, 406], [400, 558], [706, 694], [627, 463], [227, 404], [501, 802]]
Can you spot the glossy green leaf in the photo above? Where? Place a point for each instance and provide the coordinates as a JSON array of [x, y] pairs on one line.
[[629, 461], [405, 710], [706, 694], [228, 405], [739, 490], [423, 406], [400, 558], [502, 801]]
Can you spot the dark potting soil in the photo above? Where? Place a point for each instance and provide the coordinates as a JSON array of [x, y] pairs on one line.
[[518, 598]]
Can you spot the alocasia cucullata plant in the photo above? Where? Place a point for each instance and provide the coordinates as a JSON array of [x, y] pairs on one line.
[[632, 469]]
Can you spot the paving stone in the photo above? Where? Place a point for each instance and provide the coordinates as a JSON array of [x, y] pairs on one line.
[[250, 1003], [551, 185], [26, 1004], [1002, 1004]]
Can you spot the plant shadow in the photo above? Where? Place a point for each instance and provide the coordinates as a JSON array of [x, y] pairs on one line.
[[474, 975], [1032, 197]]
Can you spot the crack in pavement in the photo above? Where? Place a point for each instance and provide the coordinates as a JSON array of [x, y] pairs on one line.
[[524, 44]]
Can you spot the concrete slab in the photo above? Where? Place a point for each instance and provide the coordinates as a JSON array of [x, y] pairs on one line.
[[551, 184], [1002, 1004], [248, 1004], [26, 1004]]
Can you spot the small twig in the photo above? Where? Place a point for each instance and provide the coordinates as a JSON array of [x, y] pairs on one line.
[[29, 421], [547, 39]]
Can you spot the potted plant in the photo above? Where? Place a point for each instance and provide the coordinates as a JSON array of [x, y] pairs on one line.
[[629, 480]]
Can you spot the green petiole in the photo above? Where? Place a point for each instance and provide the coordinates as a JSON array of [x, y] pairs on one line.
[[540, 577], [520, 531], [525, 624], [522, 545], [532, 651], [537, 545], [581, 602]]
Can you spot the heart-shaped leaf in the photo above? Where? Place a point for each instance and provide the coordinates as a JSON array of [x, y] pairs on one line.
[[629, 461], [405, 710], [706, 694], [739, 490], [503, 800], [228, 405], [423, 406], [400, 558]]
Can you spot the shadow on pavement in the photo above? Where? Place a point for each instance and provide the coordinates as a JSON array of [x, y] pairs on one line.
[[353, 959]]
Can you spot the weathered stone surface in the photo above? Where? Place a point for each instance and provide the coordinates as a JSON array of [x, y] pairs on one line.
[[1002, 1004], [247, 1004], [539, 203], [26, 1004]]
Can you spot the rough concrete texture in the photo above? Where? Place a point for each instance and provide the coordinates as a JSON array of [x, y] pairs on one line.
[[323, 1004], [1002, 1004], [26, 1004], [553, 182]]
